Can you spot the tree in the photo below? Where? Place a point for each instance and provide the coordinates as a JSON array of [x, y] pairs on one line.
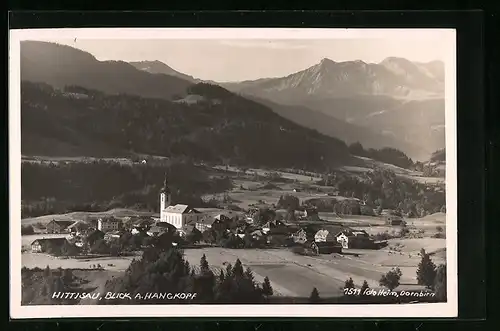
[[426, 271], [205, 282], [364, 287], [100, 247], [204, 267], [47, 272], [194, 236], [67, 276], [349, 283], [314, 297], [68, 249], [440, 283], [27, 230], [267, 289], [237, 269], [209, 236], [391, 279], [249, 274], [288, 202]]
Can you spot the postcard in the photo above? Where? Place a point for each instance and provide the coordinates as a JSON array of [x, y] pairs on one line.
[[232, 172]]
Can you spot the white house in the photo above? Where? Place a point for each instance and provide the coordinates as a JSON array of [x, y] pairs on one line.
[[110, 224], [324, 236]]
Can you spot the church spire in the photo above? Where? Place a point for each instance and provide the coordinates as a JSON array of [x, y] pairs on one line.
[[165, 188]]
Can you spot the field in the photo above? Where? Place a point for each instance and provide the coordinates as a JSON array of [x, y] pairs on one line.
[[118, 213], [296, 275]]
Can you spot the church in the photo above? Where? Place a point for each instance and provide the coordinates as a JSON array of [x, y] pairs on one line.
[[178, 215]]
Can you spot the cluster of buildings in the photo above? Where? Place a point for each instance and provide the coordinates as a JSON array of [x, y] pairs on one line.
[[180, 218]]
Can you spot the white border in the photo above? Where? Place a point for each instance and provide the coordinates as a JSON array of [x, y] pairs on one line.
[[448, 309]]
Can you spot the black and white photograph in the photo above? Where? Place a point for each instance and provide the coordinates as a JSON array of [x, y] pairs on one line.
[[232, 172]]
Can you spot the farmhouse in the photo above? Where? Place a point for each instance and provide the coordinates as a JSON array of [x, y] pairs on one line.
[[325, 247], [47, 244], [139, 225], [112, 236], [58, 226], [355, 239], [211, 223], [325, 235], [303, 235], [109, 224], [77, 227], [394, 220], [160, 228]]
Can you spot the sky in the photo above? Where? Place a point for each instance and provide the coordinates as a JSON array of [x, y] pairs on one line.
[[225, 60]]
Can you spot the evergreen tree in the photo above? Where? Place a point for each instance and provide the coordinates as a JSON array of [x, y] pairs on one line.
[[204, 267], [349, 283], [364, 287], [229, 270], [440, 283], [205, 281], [267, 289], [237, 269], [221, 276], [249, 274], [47, 272], [426, 272], [314, 297]]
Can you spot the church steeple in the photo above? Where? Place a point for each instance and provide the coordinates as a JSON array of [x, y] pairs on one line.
[[165, 199], [165, 189]]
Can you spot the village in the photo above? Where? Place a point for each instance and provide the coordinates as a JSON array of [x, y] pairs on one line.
[[187, 226]]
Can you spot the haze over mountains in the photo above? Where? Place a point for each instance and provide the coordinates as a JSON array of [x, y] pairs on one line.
[[395, 103]]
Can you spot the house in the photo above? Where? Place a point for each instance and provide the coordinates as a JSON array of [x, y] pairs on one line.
[[156, 231], [256, 234], [311, 212], [180, 215], [77, 227], [112, 236], [394, 220], [47, 244], [109, 224], [355, 239], [324, 235], [325, 247], [58, 226], [303, 235], [139, 225]]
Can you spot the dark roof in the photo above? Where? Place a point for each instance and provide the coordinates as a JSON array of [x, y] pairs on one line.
[[109, 220], [55, 241], [327, 243], [64, 224], [353, 233]]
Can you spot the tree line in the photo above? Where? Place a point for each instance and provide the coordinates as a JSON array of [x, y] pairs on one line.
[[382, 189], [100, 185]]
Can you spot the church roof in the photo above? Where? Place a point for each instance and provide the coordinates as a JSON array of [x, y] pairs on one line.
[[181, 209]]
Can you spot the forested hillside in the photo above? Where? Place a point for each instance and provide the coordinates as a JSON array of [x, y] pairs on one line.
[[221, 128]]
